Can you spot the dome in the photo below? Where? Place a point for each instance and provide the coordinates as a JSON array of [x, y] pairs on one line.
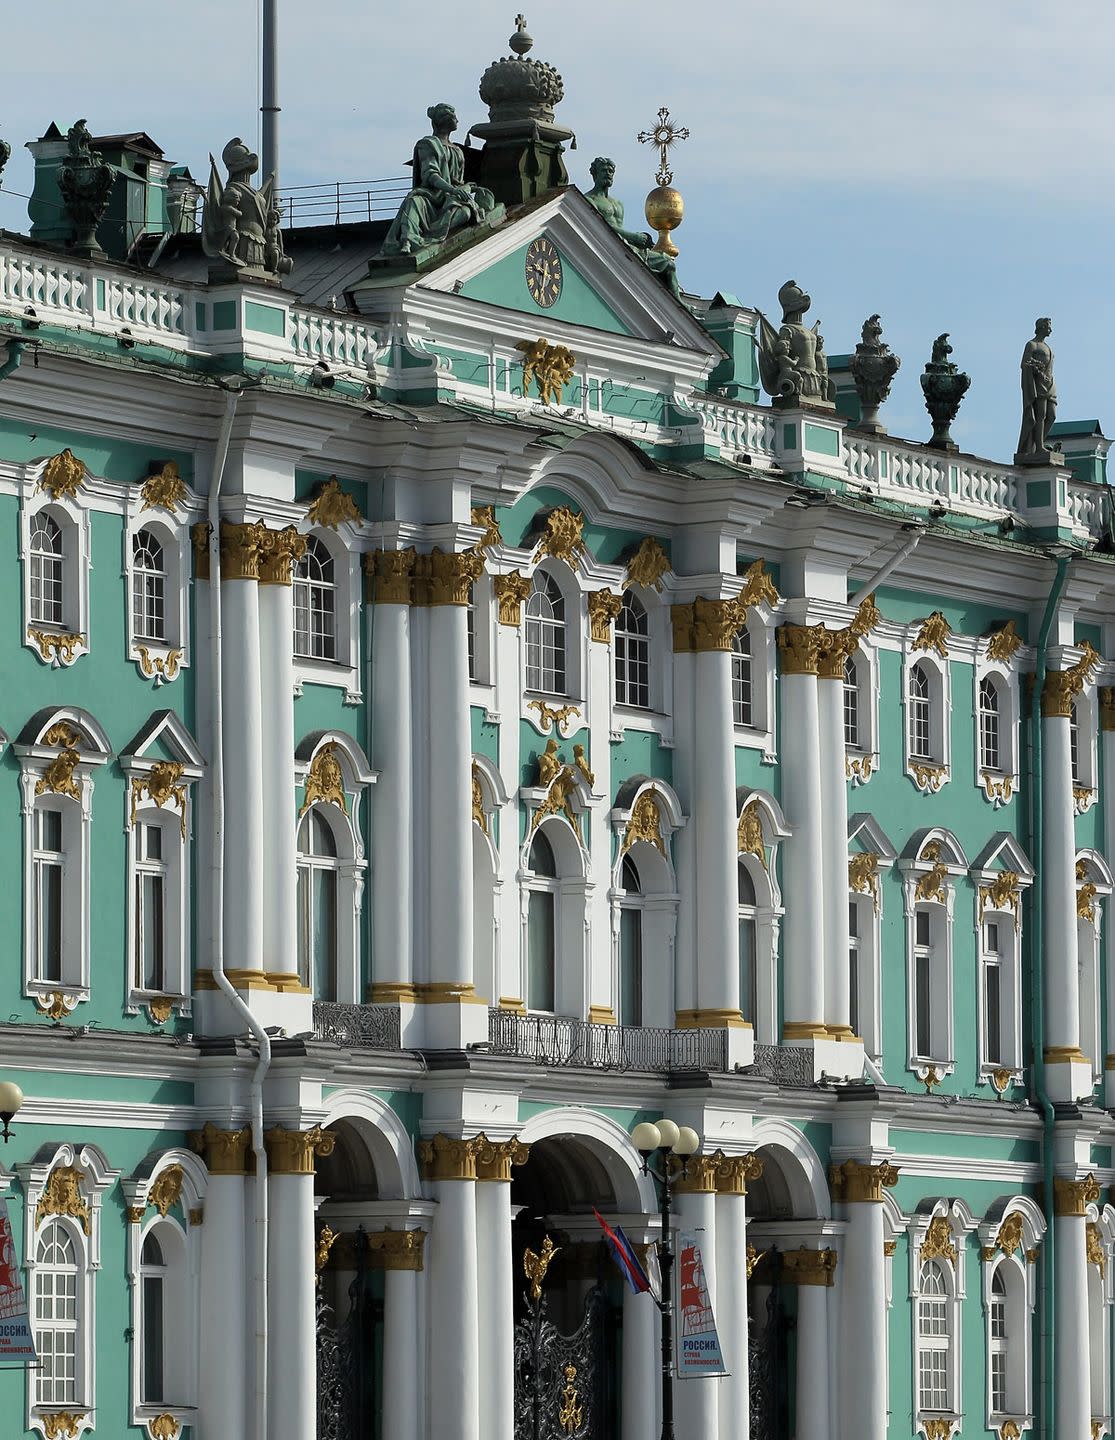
[[515, 88]]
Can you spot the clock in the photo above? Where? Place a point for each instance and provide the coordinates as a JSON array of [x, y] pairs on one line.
[[543, 272]]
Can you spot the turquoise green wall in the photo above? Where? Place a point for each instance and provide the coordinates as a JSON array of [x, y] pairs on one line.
[[504, 284]]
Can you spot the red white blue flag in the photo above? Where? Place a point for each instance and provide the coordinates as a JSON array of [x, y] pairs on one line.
[[624, 1256]]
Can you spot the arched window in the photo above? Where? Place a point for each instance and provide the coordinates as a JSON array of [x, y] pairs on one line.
[[315, 603], [921, 713], [851, 707], [998, 1350], [542, 896], [57, 1311], [317, 905], [990, 748], [934, 1341], [152, 1277], [48, 561], [748, 945], [929, 980], [743, 698], [48, 894], [148, 587], [632, 649], [1074, 742], [630, 945], [545, 636]]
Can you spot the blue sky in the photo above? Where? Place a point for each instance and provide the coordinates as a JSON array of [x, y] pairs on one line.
[[944, 162]]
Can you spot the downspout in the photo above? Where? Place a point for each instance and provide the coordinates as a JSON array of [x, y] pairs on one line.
[[1037, 1008], [14, 360], [887, 569], [224, 985]]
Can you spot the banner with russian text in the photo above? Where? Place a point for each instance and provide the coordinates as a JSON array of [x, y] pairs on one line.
[[698, 1344], [17, 1346]]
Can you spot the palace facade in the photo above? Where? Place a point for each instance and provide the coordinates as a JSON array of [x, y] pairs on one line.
[[450, 717]]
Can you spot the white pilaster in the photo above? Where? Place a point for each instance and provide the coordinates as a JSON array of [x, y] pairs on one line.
[[1070, 1320], [731, 1313], [403, 1355], [496, 1309], [244, 777], [716, 847], [291, 1350], [1068, 1075], [223, 1352], [834, 816], [280, 917], [602, 996], [863, 1313], [813, 1393], [454, 1313], [696, 1404], [684, 842], [803, 981], [392, 831]]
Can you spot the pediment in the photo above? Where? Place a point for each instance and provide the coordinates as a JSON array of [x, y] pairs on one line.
[[605, 287], [163, 737]]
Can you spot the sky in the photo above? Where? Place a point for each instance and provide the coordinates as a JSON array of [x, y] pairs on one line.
[[946, 163]]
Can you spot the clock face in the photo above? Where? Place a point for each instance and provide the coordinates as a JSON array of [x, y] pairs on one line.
[[543, 272]]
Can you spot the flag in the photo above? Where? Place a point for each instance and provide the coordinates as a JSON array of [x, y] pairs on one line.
[[699, 1352], [17, 1347], [624, 1256]]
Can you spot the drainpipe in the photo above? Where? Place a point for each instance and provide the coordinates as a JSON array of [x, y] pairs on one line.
[[1047, 1407], [886, 570], [232, 396], [14, 360]]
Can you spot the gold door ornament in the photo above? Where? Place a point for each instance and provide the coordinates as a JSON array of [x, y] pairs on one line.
[[63, 476], [332, 505], [549, 366], [536, 1265], [571, 1415], [165, 490], [645, 824]]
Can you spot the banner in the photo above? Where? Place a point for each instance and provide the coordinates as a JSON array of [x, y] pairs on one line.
[[698, 1343], [17, 1347]]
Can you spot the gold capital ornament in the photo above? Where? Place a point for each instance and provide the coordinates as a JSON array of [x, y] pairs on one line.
[[734, 1171], [511, 590], [1107, 707], [809, 1267], [241, 550], [279, 553], [292, 1152], [388, 576], [603, 607], [1072, 1197], [856, 1182], [451, 575], [1061, 687], [494, 1158], [447, 1158], [225, 1151], [799, 648]]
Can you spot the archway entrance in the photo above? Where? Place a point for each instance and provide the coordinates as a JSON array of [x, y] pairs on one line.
[[575, 1321], [350, 1294]]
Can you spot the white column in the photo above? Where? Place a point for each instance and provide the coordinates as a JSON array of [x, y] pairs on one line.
[[291, 1342], [1070, 1314], [731, 1312], [1058, 881], [392, 796], [602, 1000], [863, 1309], [803, 982], [834, 816], [276, 626], [402, 1355], [496, 1301], [224, 1291], [684, 842], [813, 1391], [455, 1014], [696, 1404], [641, 1364], [1107, 739], [243, 751], [454, 1285], [715, 823]]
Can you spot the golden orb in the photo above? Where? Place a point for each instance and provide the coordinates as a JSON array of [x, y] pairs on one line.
[[665, 210]]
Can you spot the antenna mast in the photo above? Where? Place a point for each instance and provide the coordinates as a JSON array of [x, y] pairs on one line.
[[270, 106]]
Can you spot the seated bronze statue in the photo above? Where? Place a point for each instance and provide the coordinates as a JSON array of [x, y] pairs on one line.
[[440, 200]]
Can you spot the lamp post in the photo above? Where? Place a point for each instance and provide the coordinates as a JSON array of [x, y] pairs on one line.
[[11, 1098], [664, 1140]]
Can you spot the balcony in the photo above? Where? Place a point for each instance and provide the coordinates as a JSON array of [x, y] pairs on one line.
[[358, 1027], [561, 1040]]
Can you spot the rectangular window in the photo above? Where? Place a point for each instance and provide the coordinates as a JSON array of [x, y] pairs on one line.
[[632, 670], [56, 1337], [923, 984], [49, 872], [748, 980], [993, 994], [470, 627], [921, 736], [47, 607], [743, 707], [851, 708], [148, 605], [153, 1340], [630, 967], [317, 929], [989, 739], [541, 918], [853, 967], [150, 908], [933, 1381]]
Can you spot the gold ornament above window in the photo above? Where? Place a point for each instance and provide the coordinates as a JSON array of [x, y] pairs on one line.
[[331, 505], [938, 1243], [562, 536], [164, 490], [63, 476], [749, 836], [1001, 894], [647, 566], [325, 781], [933, 635], [62, 1196], [485, 515], [645, 824], [1003, 643], [863, 875]]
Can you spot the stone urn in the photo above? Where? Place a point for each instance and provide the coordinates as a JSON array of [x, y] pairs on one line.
[[944, 386], [873, 367]]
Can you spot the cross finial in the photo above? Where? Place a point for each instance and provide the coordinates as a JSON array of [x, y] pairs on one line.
[[664, 134], [520, 22], [520, 42]]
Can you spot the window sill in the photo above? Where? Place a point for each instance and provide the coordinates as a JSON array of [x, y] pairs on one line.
[[860, 765], [336, 673], [644, 722], [928, 775], [158, 660], [747, 737], [560, 715], [931, 1072], [998, 786]]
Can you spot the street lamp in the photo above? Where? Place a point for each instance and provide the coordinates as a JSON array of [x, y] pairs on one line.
[[664, 1140], [11, 1098]]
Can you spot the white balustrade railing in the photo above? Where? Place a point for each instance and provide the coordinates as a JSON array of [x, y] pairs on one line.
[[144, 307], [737, 428], [43, 284], [332, 337], [1090, 507]]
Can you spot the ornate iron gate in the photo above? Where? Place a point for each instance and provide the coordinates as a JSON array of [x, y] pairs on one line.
[[559, 1379], [346, 1399], [768, 1363]]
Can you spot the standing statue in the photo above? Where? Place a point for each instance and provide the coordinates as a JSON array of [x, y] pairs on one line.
[[603, 172], [242, 227], [85, 181], [1039, 398], [944, 385], [873, 367], [792, 362], [5, 154], [439, 200]]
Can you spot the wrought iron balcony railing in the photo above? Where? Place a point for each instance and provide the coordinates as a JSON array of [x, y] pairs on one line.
[[358, 1027], [561, 1040]]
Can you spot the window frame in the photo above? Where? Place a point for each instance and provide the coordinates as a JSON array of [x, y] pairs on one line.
[[939, 902], [321, 586], [74, 523], [1007, 961], [542, 580], [572, 978], [311, 864], [761, 625], [867, 994], [862, 760], [1084, 726], [928, 772], [999, 783], [344, 670], [951, 1268], [632, 654], [160, 660]]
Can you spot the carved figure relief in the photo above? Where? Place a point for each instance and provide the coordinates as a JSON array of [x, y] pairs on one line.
[[242, 226], [863, 875], [58, 777], [548, 366], [62, 1196], [165, 490], [331, 505], [645, 824], [934, 634], [325, 781], [750, 833], [647, 566], [562, 536], [63, 476]]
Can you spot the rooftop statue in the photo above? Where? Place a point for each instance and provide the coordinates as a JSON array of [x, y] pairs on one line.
[[1039, 398], [5, 154], [944, 385], [873, 367], [85, 181], [439, 201], [603, 172], [792, 362], [242, 226]]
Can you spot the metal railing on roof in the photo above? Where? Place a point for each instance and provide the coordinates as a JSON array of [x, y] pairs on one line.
[[343, 201]]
